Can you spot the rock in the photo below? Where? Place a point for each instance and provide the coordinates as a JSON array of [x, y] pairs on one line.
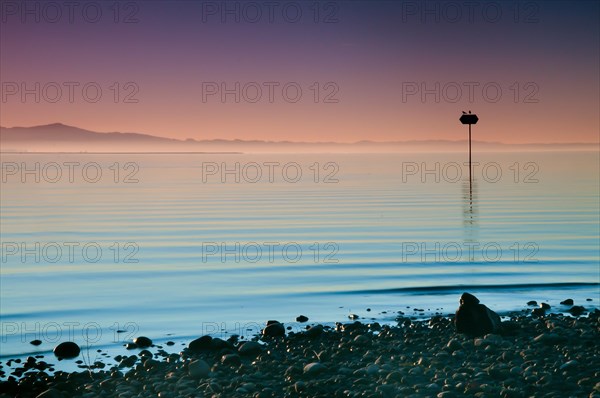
[[128, 362], [274, 329], [231, 359], [35, 342], [131, 346], [387, 390], [50, 393], [198, 369], [314, 368], [142, 342], [538, 312], [67, 350], [493, 339], [299, 386], [200, 344], [314, 331], [453, 345], [567, 302], [250, 348], [549, 338], [353, 316], [145, 354], [372, 370], [576, 310], [394, 377], [150, 363], [569, 365], [532, 303], [218, 344], [545, 306], [361, 339], [475, 319], [301, 318]]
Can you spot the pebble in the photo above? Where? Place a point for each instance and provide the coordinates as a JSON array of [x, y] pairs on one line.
[[200, 344], [198, 369], [250, 348], [314, 368], [142, 342], [301, 318], [361, 339], [569, 365], [274, 329], [577, 310], [67, 350], [567, 302], [128, 362], [314, 331], [538, 312], [231, 359]]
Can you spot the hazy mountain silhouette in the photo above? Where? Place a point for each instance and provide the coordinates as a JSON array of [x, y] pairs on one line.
[[59, 137]]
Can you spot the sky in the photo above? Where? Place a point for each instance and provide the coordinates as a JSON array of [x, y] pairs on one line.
[[305, 71]]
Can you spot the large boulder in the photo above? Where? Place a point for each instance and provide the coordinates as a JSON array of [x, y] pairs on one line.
[[475, 319]]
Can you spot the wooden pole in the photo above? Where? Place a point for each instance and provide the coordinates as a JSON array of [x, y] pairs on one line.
[[470, 179]]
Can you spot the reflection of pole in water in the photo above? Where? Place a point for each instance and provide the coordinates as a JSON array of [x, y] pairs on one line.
[[470, 212]]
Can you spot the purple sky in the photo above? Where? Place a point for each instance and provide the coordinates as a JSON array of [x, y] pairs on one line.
[[366, 58]]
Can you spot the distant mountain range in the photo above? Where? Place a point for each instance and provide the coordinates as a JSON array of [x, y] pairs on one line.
[[58, 137]]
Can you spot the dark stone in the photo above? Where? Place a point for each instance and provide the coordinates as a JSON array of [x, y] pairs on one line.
[[145, 354], [231, 359], [475, 319], [233, 339], [532, 303], [67, 350], [142, 342], [131, 346], [218, 344], [576, 310], [538, 312], [201, 344], [314, 331], [301, 318], [35, 342], [250, 348], [50, 393], [274, 329], [128, 362], [545, 306], [567, 302]]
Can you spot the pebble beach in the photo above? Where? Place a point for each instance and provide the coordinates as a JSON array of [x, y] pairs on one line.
[[554, 355]]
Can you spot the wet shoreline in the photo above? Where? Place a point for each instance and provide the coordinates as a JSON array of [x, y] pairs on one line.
[[552, 355]]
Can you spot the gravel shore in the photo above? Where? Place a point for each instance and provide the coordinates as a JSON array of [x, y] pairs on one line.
[[549, 356]]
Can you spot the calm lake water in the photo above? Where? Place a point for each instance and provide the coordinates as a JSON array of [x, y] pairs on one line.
[[172, 247]]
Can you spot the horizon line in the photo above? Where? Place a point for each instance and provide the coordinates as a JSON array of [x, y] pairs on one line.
[[295, 142]]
